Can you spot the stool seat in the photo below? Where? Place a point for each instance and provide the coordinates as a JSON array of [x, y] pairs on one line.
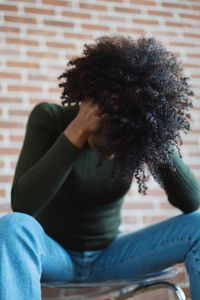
[[123, 289]]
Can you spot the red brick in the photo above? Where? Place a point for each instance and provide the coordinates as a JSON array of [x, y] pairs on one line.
[[57, 2], [8, 7], [195, 108], [130, 30], [6, 178], [118, 1], [19, 64], [127, 10], [175, 5], [194, 154], [195, 76], [160, 13], [191, 143], [54, 90], [58, 23], [154, 219], [42, 54], [69, 56], [146, 22], [5, 208], [28, 1], [18, 112], [38, 100], [22, 42], [188, 16], [24, 88], [92, 6], [193, 66], [180, 44], [7, 52], [76, 15], [80, 36], [2, 193], [8, 125], [10, 75], [156, 192], [41, 32], [194, 167], [23, 20], [95, 27], [55, 67], [192, 35], [143, 2], [111, 18], [129, 219], [34, 10], [9, 151], [41, 77], [178, 24], [164, 33], [195, 7], [166, 205], [138, 205], [195, 87], [9, 29], [16, 138], [193, 55], [10, 100], [60, 45], [13, 165]]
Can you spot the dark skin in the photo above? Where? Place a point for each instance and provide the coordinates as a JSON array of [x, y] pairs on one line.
[[86, 128]]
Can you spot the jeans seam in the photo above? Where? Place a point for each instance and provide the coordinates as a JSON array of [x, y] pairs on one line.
[[131, 258], [56, 263]]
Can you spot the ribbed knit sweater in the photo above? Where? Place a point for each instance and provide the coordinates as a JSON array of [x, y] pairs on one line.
[[60, 185]]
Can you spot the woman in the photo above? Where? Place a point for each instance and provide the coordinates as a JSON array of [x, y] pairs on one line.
[[78, 162]]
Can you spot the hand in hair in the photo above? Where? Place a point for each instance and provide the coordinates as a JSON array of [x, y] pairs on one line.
[[86, 122]]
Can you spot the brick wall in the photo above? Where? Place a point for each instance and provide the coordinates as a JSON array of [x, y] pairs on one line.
[[37, 37]]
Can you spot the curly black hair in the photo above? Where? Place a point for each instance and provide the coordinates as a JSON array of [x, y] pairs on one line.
[[140, 85]]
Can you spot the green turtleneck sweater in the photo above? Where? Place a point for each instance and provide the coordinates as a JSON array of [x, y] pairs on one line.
[[60, 185]]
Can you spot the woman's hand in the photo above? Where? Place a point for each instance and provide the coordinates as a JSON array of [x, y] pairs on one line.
[[88, 117], [86, 122]]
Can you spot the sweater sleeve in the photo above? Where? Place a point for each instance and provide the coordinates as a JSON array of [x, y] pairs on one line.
[[181, 186], [43, 165]]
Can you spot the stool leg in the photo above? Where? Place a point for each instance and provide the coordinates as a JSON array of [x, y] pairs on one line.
[[153, 285]]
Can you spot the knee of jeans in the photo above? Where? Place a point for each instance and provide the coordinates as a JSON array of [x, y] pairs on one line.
[[194, 219], [14, 223], [192, 258]]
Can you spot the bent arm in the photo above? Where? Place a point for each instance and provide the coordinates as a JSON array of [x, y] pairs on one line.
[[181, 186], [43, 165]]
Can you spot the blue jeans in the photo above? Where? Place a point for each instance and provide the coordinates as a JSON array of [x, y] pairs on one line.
[[28, 255]]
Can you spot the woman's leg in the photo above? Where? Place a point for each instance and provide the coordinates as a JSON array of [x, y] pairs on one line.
[[152, 249], [26, 254]]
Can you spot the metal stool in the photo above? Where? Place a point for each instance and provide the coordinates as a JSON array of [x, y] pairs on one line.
[[118, 290]]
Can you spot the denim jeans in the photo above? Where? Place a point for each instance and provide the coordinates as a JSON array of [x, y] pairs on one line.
[[28, 255]]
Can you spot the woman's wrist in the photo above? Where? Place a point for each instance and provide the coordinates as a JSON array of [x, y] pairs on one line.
[[76, 134]]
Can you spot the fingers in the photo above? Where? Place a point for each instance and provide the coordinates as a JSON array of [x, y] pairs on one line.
[[91, 116]]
